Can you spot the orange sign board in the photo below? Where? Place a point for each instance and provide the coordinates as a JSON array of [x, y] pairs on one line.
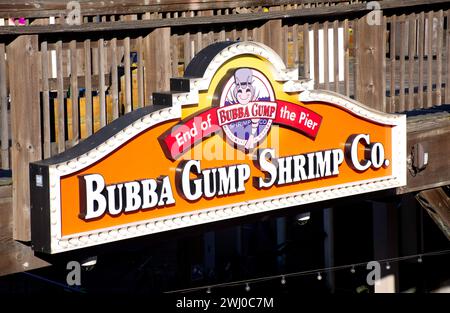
[[239, 134]]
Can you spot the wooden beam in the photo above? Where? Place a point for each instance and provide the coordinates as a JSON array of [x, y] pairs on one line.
[[432, 131], [14, 256], [308, 13], [92, 8], [25, 126], [437, 203]]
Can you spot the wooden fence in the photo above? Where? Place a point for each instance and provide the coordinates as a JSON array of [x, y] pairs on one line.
[[57, 88]]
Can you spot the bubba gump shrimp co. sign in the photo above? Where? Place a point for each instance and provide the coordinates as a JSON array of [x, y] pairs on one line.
[[238, 135]]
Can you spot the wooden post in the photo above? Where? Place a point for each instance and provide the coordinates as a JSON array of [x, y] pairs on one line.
[[25, 126], [272, 35], [3, 111], [371, 63], [157, 61]]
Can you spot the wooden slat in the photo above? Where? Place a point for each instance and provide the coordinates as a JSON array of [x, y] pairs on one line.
[[25, 126], [295, 45], [346, 59], [371, 57], [234, 35], [157, 60], [326, 60], [174, 54], [447, 84], [421, 48], [60, 96], [114, 80], [272, 35], [127, 65], [198, 39], [142, 101], [430, 60], [3, 111], [439, 51], [285, 43], [254, 34], [392, 49], [306, 66], [222, 35], [87, 82], [403, 47], [74, 90], [356, 67], [411, 56], [210, 34], [316, 55], [245, 34], [175, 51], [101, 81], [336, 55]]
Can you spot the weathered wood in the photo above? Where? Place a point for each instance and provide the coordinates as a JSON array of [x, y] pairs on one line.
[[127, 69], [174, 54], [421, 57], [403, 48], [25, 126], [101, 81], [430, 60], [93, 8], [392, 50], [316, 12], [272, 31], [346, 59], [157, 62], [371, 88], [245, 34], [316, 55], [432, 131], [141, 100], [306, 55], [4, 135], [411, 56], [326, 59], [14, 256], [285, 43], [60, 96], [114, 80], [295, 46], [356, 66], [447, 84], [74, 91], [437, 203], [198, 41], [88, 93], [440, 35], [45, 100], [336, 55]]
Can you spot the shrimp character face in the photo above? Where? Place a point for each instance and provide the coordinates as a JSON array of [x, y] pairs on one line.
[[243, 91]]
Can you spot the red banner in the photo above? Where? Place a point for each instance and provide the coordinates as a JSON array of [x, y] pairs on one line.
[[192, 131]]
